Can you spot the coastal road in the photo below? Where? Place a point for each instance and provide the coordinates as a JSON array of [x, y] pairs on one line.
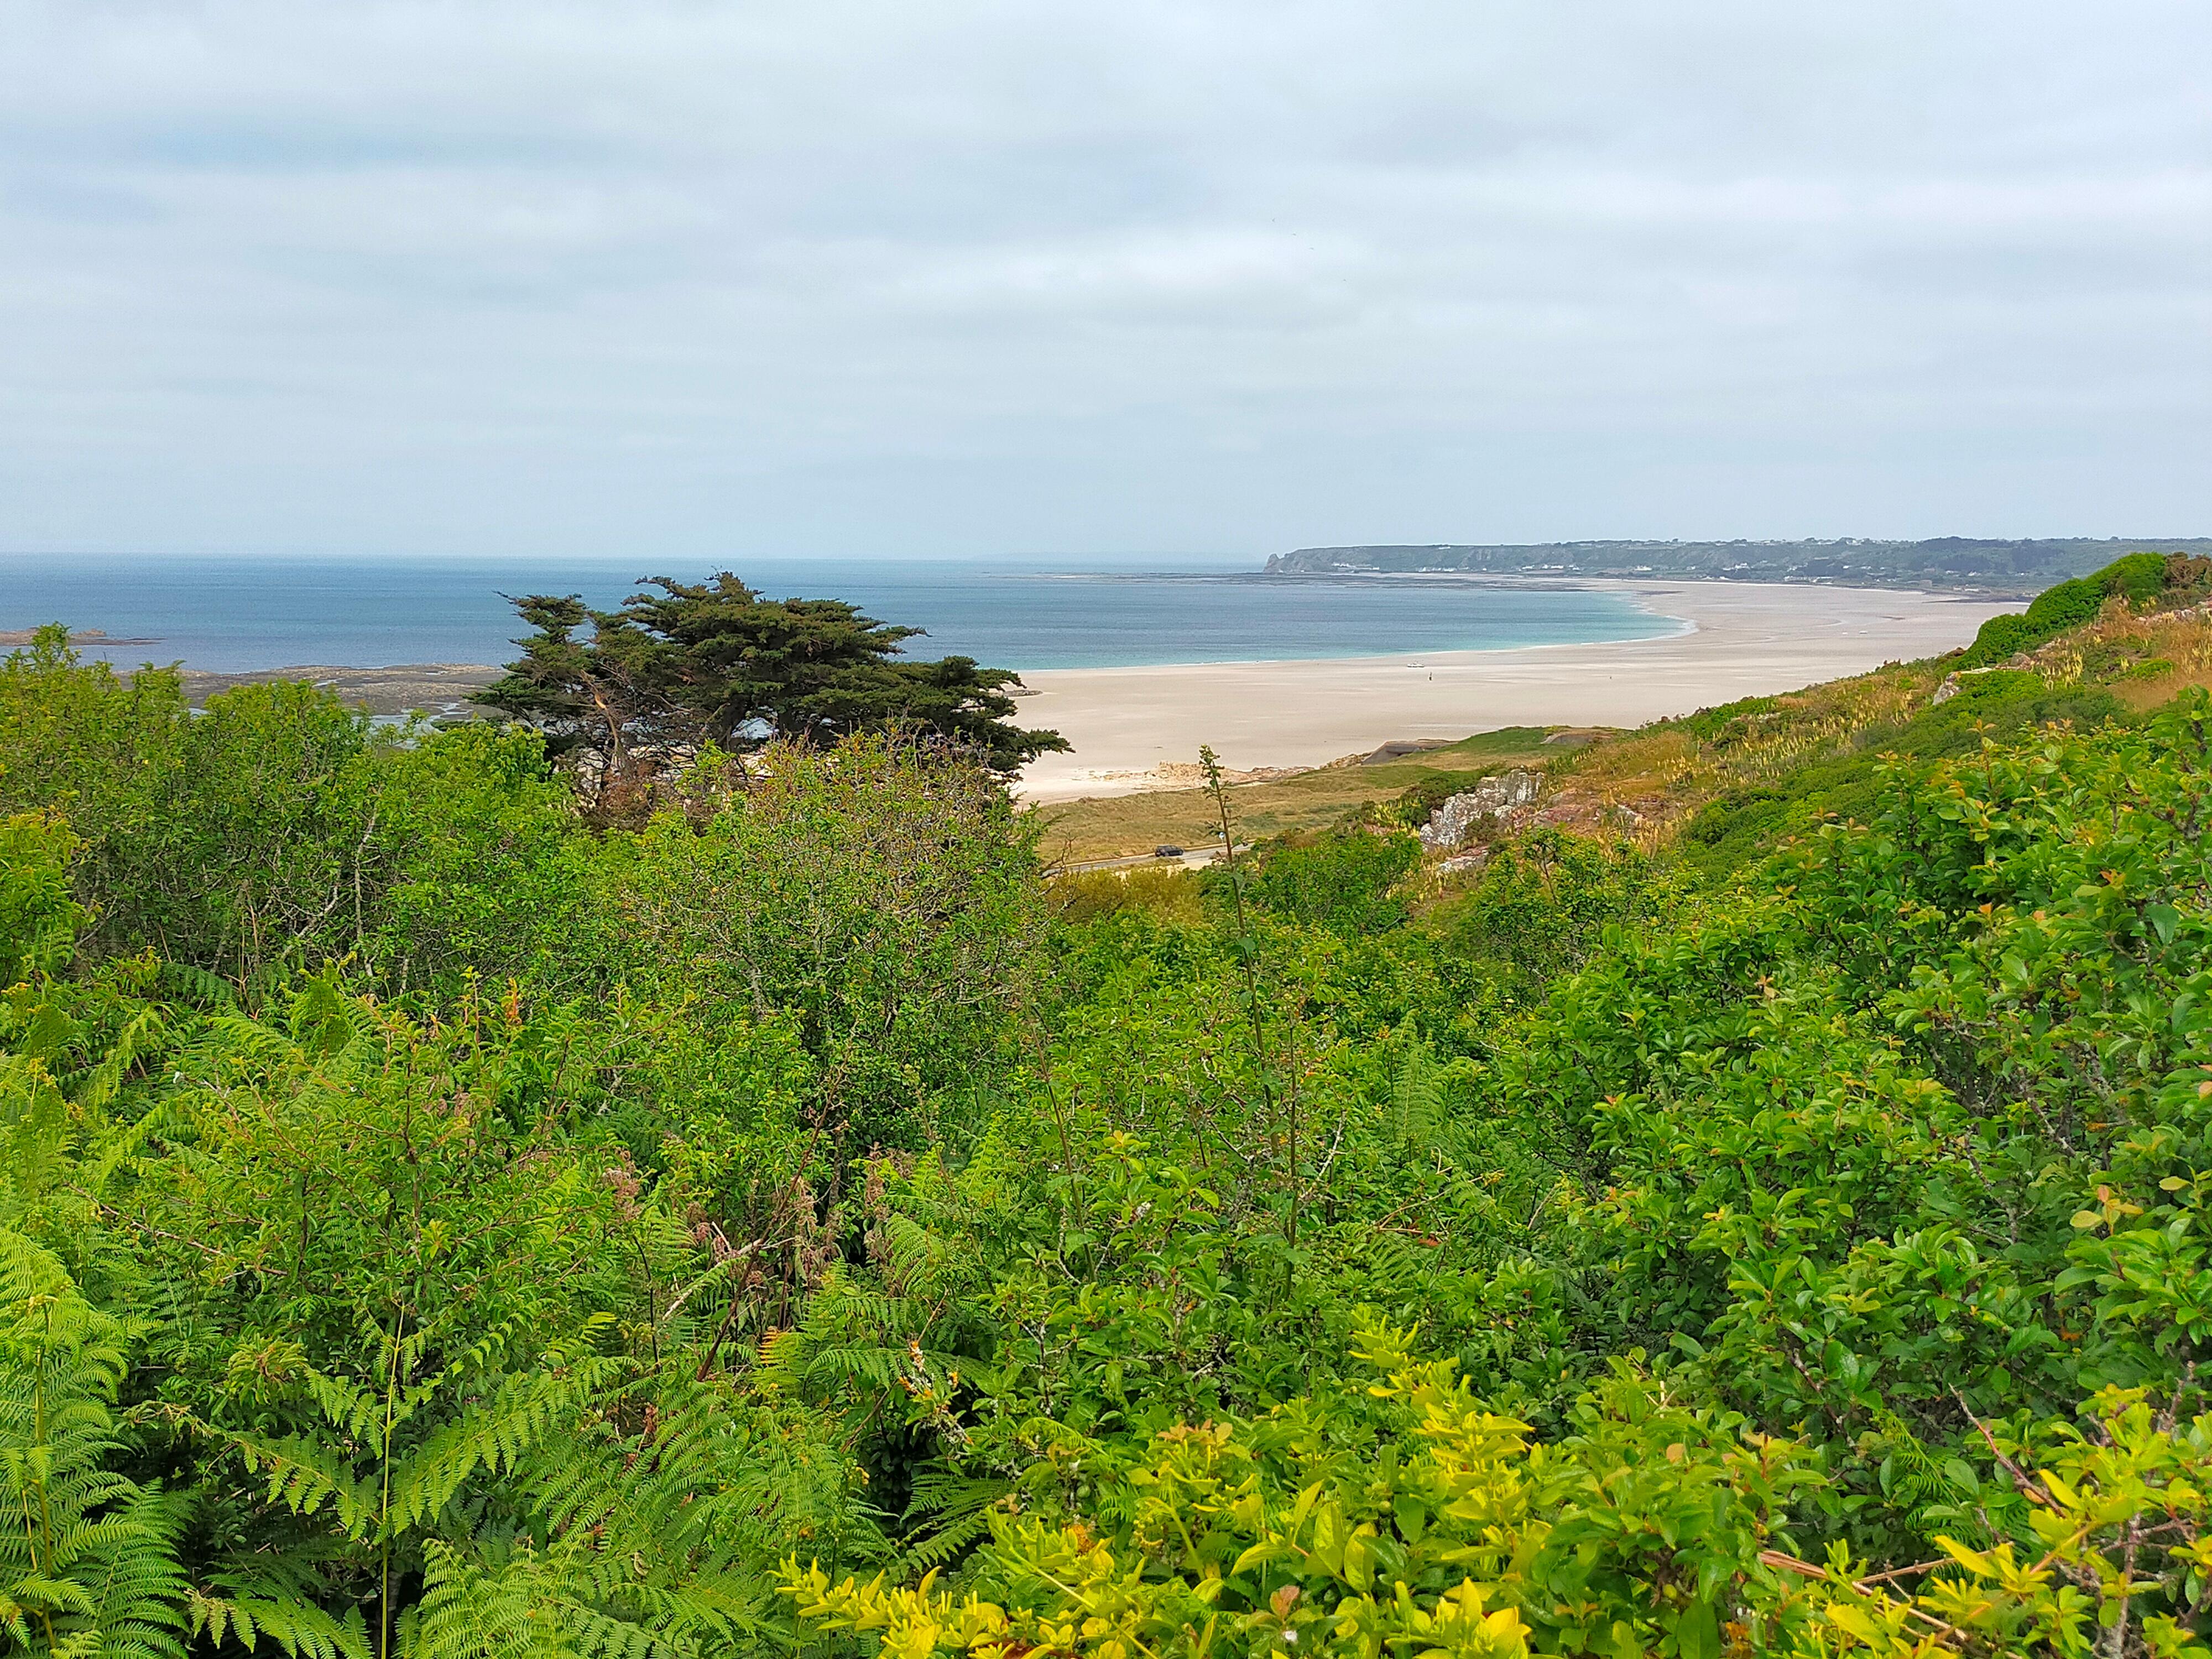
[[1196, 858]]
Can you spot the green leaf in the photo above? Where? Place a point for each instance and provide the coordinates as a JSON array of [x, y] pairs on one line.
[[1698, 1631]]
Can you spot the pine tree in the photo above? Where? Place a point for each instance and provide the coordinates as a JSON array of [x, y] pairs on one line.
[[693, 664]]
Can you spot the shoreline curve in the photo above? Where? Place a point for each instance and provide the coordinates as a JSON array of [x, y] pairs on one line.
[[1736, 640]]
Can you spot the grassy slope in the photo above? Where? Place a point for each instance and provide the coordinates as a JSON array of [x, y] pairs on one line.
[[1123, 824], [1739, 778]]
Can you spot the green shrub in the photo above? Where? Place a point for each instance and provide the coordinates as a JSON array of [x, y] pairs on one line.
[[1544, 901], [1166, 890], [39, 919], [1416, 802], [2139, 577], [472, 861], [1729, 719], [1607, 1260], [105, 751], [883, 896], [1734, 830], [1342, 880]]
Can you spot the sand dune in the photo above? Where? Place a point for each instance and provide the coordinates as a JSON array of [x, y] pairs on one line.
[[1737, 639]]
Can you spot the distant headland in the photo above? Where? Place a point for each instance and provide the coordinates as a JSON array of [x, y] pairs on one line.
[[1954, 562]]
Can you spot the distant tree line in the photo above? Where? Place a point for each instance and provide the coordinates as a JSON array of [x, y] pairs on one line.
[[1943, 561]]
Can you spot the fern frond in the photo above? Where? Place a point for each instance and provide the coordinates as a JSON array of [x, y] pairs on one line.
[[948, 1543], [137, 1589], [474, 1609], [145, 1031], [1417, 1100], [304, 1477], [299, 1627], [346, 1406], [83, 1550], [492, 1436], [197, 984]]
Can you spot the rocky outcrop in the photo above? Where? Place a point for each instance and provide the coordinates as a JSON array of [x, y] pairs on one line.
[[1494, 797]]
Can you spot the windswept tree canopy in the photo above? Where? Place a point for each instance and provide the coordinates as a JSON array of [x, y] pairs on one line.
[[693, 663]]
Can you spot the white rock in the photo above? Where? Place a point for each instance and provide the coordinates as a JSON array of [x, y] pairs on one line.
[[1493, 796]]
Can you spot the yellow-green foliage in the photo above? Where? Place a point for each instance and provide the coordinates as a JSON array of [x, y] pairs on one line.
[[1444, 1530], [1650, 1529], [1167, 891], [1412, 1519]]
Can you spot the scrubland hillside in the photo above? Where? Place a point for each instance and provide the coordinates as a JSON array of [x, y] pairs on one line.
[[1756, 1209], [2087, 655]]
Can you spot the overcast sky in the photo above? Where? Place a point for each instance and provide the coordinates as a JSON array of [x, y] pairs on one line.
[[948, 276]]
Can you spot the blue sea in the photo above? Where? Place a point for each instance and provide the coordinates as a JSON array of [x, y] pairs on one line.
[[237, 614]]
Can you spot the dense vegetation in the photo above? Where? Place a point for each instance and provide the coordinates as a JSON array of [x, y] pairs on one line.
[[2138, 579], [438, 1219]]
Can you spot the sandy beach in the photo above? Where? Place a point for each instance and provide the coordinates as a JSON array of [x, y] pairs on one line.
[[1735, 640]]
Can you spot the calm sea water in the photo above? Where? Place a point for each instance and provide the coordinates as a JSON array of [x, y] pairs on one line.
[[238, 614]]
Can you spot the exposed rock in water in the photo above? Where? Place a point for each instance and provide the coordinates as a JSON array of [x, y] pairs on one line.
[[13, 637], [433, 687]]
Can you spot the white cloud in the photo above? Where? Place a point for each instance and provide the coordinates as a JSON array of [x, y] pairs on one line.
[[994, 277]]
